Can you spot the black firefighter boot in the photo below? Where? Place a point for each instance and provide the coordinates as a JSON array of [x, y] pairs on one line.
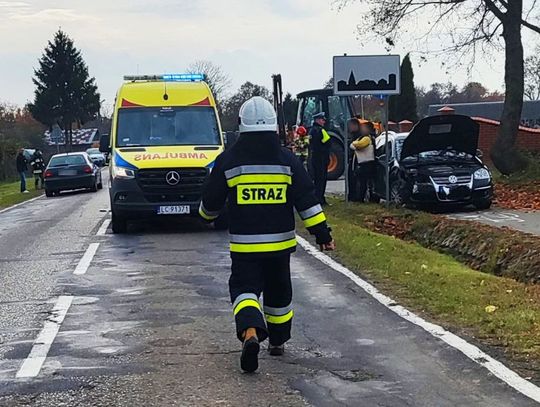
[[249, 361], [276, 350]]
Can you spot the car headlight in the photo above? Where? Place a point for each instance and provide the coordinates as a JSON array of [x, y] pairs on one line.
[[122, 172], [482, 173]]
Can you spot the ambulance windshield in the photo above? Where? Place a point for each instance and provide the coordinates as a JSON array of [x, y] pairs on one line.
[[170, 126]]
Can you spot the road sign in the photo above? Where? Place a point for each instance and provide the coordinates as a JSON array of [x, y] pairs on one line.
[[367, 75], [56, 134]]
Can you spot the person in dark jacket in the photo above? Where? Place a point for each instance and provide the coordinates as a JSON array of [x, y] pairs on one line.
[[262, 184], [22, 167], [319, 155], [38, 168]]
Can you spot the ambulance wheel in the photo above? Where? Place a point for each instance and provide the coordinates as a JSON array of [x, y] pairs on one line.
[[119, 224], [221, 223]]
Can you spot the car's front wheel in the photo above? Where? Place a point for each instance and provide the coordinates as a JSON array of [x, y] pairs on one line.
[[483, 204], [396, 194], [221, 222]]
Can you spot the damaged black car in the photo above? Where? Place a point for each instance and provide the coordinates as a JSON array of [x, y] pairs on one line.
[[437, 163]]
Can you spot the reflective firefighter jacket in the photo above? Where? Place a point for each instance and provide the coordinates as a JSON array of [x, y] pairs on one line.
[[262, 183], [319, 139]]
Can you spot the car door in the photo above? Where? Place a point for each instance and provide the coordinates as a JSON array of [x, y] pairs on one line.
[[380, 169]]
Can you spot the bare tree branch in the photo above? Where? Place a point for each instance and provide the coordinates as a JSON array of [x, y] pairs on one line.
[[531, 26]]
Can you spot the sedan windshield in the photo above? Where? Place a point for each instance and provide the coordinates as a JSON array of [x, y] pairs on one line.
[[176, 126]]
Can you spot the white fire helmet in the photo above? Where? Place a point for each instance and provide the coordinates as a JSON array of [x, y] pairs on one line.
[[257, 114]]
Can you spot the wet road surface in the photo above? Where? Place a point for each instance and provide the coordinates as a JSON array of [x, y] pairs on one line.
[[148, 323]]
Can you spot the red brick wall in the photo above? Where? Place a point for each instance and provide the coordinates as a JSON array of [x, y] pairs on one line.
[[528, 139]]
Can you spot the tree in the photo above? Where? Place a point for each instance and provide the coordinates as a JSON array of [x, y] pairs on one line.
[[17, 129], [403, 106], [231, 107], [473, 92], [532, 75], [290, 109], [446, 93], [65, 93], [468, 26], [218, 81]]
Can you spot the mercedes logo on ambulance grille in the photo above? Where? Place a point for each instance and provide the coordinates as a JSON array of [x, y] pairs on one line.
[[172, 178], [452, 179]]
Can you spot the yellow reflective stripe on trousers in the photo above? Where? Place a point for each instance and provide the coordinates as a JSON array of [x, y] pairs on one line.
[[262, 247], [325, 136], [314, 220], [279, 319], [259, 178], [246, 303]]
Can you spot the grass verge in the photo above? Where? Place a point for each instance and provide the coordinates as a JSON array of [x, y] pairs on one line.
[[524, 178], [10, 193], [497, 311]]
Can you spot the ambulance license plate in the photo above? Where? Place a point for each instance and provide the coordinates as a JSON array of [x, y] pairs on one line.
[[173, 210]]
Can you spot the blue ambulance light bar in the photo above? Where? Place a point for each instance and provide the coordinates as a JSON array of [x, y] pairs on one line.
[[172, 77]]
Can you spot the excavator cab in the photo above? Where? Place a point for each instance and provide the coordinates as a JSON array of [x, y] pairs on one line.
[[337, 113]]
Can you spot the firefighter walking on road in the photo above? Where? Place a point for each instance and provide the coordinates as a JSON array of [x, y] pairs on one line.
[[319, 155], [262, 184]]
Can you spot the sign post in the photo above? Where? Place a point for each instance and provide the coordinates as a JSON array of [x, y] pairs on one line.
[[360, 75], [56, 135]]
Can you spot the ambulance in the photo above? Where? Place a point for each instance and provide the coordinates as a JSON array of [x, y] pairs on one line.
[[164, 140]]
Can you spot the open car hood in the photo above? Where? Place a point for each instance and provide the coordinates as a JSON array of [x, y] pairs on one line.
[[440, 133]]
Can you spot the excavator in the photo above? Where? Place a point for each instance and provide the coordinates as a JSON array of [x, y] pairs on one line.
[[310, 102]]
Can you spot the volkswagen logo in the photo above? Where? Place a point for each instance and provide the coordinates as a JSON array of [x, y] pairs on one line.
[[452, 179], [172, 178]]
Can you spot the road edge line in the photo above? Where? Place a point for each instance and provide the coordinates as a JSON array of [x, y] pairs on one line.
[[21, 203], [34, 361], [103, 228], [86, 259], [498, 369]]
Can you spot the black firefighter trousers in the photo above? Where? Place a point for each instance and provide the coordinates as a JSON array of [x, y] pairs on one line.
[[270, 276]]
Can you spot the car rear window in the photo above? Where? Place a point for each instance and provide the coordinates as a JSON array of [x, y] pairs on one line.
[[67, 160]]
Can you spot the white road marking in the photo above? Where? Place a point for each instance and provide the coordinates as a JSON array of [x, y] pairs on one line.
[[21, 203], [494, 217], [103, 229], [85, 261], [472, 352], [35, 359]]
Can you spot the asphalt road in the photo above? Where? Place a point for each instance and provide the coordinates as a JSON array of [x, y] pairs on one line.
[[523, 221], [148, 323]]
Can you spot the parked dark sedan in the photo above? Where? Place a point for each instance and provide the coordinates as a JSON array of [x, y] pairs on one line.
[[71, 171], [436, 163]]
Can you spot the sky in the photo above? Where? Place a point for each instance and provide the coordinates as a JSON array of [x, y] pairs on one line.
[[249, 39]]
